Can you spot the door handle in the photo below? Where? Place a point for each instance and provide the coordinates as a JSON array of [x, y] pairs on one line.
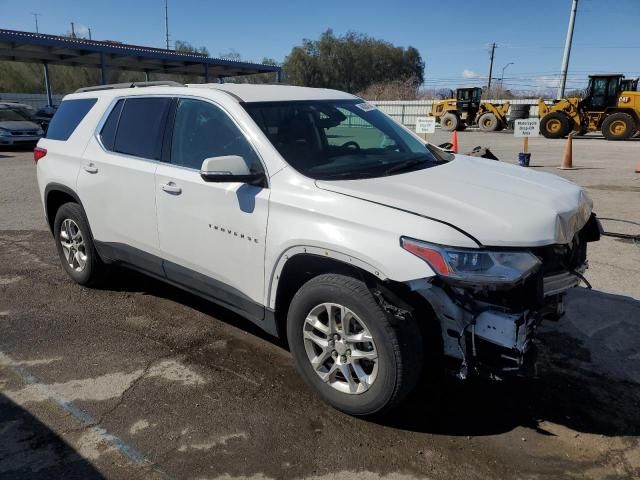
[[171, 188], [91, 168]]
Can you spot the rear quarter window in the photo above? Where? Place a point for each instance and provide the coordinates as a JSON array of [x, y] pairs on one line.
[[68, 116]]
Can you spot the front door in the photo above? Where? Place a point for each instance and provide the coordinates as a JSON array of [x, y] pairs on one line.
[[212, 235]]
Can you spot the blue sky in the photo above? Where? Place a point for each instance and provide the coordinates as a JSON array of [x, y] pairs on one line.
[[452, 35]]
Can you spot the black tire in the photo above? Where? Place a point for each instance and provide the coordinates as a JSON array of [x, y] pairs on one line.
[[449, 122], [398, 344], [618, 126], [555, 125], [94, 269], [488, 122]]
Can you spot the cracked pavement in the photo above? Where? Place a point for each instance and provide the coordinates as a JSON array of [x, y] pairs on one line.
[[141, 380]]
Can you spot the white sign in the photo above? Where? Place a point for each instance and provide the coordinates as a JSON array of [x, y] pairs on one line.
[[426, 125], [526, 127]]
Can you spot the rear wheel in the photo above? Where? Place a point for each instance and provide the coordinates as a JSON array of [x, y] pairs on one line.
[[75, 245], [449, 122], [488, 122], [618, 126], [357, 357], [555, 125]]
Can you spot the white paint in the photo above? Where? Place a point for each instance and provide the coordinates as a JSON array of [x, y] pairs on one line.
[[104, 387], [80, 415], [27, 363], [139, 426], [526, 127], [92, 445], [175, 371], [9, 279], [220, 441], [426, 125]]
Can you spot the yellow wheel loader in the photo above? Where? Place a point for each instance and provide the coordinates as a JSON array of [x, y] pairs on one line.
[[468, 110], [611, 104]]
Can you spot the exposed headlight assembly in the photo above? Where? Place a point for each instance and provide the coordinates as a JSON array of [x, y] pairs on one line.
[[471, 266]]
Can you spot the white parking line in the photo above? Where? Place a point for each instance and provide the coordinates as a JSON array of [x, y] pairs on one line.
[[130, 453]]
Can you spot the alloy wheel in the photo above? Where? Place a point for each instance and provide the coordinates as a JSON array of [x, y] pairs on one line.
[[340, 348], [73, 246]]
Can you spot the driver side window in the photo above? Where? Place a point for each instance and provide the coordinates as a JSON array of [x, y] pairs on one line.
[[202, 130], [356, 129]]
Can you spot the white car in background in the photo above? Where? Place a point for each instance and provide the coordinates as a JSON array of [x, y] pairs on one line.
[[323, 221]]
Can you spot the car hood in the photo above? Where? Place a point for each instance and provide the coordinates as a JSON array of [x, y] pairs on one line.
[[496, 203], [19, 125]]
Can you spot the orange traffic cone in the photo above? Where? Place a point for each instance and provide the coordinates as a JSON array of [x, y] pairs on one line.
[[454, 142], [567, 156]]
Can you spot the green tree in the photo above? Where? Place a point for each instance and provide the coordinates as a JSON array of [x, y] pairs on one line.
[[351, 62]]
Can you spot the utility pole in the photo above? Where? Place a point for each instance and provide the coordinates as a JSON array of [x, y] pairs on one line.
[[89, 33], [493, 50], [73, 30], [567, 50], [36, 15], [166, 21]]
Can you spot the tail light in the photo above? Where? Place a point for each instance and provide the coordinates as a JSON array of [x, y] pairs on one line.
[[38, 153]]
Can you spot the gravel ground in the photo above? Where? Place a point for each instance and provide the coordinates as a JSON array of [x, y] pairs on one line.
[[140, 380]]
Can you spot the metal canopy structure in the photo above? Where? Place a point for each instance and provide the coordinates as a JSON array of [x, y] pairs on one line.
[[56, 50]]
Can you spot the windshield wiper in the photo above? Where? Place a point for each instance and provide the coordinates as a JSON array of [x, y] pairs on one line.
[[407, 165]]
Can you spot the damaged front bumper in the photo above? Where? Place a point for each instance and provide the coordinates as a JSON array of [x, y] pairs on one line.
[[486, 338], [492, 330]]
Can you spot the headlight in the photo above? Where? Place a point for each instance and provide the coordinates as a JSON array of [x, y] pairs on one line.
[[4, 132], [470, 266], [40, 132]]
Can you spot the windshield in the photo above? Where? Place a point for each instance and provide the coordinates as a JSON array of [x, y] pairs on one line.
[[10, 115], [338, 139]]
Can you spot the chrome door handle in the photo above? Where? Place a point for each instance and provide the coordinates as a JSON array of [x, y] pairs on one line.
[[171, 188], [91, 168]]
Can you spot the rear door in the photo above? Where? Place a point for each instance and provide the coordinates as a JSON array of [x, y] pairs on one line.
[[117, 180], [212, 235]]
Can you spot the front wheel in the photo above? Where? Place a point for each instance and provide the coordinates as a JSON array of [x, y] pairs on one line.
[[357, 357], [449, 122]]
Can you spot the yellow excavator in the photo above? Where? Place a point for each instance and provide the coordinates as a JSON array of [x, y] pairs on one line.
[[467, 109], [611, 103]]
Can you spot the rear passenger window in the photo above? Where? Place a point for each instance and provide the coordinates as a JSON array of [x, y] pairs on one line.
[[68, 116], [108, 132], [141, 127]]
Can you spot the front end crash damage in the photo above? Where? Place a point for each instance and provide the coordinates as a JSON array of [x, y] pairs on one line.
[[490, 329]]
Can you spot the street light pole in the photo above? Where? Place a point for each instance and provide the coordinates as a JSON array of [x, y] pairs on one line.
[[567, 50], [502, 76], [36, 15]]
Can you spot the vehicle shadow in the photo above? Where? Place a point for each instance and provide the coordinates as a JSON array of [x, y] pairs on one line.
[[30, 449], [132, 281], [588, 380], [588, 375]]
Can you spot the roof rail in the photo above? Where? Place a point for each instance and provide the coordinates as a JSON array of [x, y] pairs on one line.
[[168, 83]]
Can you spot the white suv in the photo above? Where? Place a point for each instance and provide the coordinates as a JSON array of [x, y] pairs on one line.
[[316, 216]]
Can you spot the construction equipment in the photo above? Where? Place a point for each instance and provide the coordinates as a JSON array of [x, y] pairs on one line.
[[611, 103], [466, 109]]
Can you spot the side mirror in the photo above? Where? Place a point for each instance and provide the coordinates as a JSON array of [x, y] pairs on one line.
[[229, 168]]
